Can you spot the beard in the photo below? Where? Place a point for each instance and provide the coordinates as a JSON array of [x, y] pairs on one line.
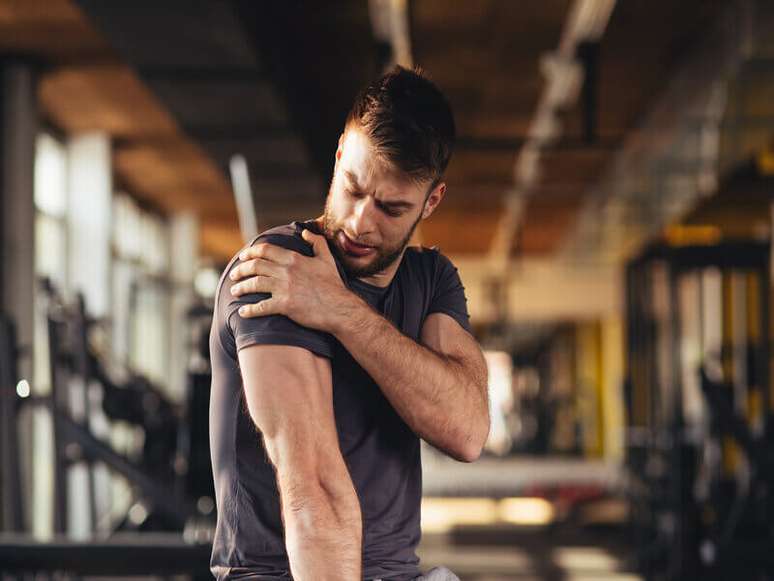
[[385, 255]]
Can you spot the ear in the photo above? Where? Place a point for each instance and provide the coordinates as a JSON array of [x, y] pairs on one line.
[[339, 148], [433, 200]]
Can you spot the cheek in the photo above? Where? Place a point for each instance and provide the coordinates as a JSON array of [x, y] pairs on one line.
[[395, 231]]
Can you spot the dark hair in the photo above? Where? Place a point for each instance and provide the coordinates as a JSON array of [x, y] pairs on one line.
[[409, 122]]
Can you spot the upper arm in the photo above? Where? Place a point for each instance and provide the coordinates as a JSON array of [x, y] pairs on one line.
[[446, 329], [289, 396], [272, 329]]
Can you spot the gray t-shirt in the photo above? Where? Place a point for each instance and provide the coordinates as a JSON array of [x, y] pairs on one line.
[[380, 450]]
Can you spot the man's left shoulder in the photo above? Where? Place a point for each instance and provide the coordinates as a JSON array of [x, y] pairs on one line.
[[423, 254], [429, 258], [429, 265]]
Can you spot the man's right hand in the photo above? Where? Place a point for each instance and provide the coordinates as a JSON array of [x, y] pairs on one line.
[[290, 399]]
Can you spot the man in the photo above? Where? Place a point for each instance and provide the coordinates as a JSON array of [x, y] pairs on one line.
[[337, 350]]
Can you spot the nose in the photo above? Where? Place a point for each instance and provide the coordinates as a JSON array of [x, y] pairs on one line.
[[361, 222]]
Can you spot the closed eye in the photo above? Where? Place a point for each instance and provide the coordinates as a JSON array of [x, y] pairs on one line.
[[391, 211]]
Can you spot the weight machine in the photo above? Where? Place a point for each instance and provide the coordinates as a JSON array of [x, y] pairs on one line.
[[170, 477], [700, 421]]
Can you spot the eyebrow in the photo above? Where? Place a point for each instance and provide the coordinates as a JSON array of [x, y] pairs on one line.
[[352, 179]]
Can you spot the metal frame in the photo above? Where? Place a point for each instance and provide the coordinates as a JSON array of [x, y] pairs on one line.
[[662, 437], [11, 515]]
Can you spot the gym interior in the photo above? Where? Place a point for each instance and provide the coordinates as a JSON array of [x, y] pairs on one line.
[[609, 209]]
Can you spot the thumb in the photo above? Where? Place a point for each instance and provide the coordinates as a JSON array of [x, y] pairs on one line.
[[317, 241]]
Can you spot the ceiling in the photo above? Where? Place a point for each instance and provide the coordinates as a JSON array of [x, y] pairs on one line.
[[182, 86]]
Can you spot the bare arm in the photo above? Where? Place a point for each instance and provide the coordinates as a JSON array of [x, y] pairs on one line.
[[439, 388], [289, 396]]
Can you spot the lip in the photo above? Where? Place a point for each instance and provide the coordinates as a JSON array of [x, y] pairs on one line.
[[353, 248]]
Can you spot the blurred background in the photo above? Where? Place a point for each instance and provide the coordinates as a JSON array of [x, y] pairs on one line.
[[609, 208]]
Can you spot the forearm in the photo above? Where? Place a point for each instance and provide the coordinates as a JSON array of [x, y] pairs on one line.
[[441, 399], [323, 533]]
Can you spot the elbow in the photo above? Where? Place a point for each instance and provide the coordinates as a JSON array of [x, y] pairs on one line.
[[469, 454], [475, 440], [471, 448]]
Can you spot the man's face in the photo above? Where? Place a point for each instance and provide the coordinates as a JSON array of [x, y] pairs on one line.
[[372, 210]]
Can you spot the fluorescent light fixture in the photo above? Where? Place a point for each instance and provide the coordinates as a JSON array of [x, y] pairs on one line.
[[240, 183], [589, 18]]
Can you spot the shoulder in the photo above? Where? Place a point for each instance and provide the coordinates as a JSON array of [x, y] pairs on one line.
[[288, 236], [429, 260], [430, 268]]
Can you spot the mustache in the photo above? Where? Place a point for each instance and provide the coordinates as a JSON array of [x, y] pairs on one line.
[[356, 241]]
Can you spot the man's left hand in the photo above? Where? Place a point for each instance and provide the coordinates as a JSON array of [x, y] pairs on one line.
[[307, 289]]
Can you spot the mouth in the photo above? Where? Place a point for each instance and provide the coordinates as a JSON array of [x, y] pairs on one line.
[[353, 248]]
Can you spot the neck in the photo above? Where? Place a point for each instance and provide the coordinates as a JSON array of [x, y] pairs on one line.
[[384, 278]]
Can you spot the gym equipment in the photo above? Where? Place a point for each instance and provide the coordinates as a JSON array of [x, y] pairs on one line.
[[695, 446], [10, 484], [171, 511], [75, 369]]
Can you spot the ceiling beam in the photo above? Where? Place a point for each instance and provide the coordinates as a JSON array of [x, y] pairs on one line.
[[586, 23]]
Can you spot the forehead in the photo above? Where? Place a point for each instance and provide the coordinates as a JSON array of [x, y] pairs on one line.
[[361, 165]]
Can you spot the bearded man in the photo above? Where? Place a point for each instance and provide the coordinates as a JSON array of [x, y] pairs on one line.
[[335, 348]]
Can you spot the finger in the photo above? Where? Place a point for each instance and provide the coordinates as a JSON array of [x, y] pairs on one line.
[[318, 242], [268, 251], [255, 266], [254, 284], [269, 306]]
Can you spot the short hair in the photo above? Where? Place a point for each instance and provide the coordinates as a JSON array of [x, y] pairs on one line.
[[409, 122]]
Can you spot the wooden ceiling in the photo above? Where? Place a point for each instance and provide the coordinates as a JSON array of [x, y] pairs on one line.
[[85, 86], [181, 87], [487, 55]]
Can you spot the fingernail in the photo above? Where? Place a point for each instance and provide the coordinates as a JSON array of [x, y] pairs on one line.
[[242, 256], [242, 310]]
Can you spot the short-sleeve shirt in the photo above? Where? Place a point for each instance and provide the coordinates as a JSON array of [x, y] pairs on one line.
[[381, 452]]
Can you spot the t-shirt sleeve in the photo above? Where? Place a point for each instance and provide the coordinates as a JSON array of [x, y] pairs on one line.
[[273, 329], [448, 293]]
